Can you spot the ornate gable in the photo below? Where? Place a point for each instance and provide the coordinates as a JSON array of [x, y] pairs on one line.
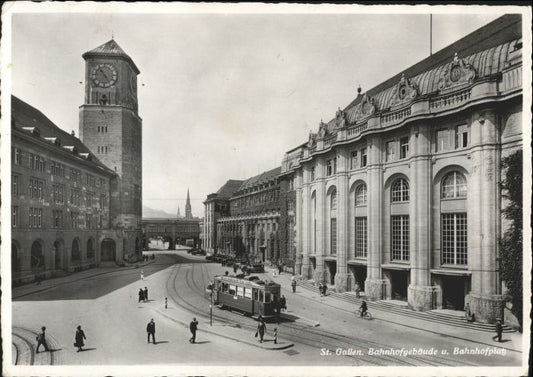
[[405, 91], [457, 73], [340, 119], [365, 108]]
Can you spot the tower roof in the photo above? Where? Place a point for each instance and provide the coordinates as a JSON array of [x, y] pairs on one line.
[[111, 48]]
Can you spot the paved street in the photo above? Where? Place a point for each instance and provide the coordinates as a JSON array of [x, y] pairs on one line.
[[312, 331]]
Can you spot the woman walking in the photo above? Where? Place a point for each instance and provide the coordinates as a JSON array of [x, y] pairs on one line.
[[80, 336]]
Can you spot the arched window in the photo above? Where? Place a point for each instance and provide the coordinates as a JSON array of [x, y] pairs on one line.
[[15, 263], [75, 253], [360, 195], [90, 248], [333, 202], [400, 190], [453, 186], [37, 256]]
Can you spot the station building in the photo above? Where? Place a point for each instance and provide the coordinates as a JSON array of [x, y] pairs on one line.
[[400, 191], [249, 218], [76, 202]]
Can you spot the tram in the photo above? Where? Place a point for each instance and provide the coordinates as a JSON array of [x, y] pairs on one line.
[[252, 297]]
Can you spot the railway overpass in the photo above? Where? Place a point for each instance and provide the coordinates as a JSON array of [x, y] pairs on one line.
[[175, 231]]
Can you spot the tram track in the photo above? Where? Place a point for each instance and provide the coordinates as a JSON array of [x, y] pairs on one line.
[[301, 333]]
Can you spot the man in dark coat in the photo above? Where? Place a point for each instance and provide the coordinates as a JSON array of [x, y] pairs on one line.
[[141, 295], [193, 326], [80, 336], [150, 329], [261, 329], [41, 339], [145, 294], [499, 331]]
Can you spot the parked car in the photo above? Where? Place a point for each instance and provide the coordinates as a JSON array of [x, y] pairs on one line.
[[229, 262], [256, 267]]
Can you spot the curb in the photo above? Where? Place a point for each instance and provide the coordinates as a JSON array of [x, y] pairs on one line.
[[281, 347]]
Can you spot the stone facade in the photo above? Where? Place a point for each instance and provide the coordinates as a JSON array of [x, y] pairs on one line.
[[77, 203], [247, 220], [399, 192]]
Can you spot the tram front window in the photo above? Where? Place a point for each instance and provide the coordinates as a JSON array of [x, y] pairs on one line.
[[268, 297]]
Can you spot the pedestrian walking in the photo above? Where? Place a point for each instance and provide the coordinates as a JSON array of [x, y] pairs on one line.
[[293, 284], [41, 339], [235, 268], [357, 290], [142, 274], [150, 329], [166, 301], [325, 289], [79, 337], [283, 302], [499, 331], [145, 294], [193, 326], [261, 329], [141, 295], [275, 335]]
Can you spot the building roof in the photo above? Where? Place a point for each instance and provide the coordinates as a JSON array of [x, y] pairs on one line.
[[28, 119], [261, 178], [110, 48], [486, 50], [227, 190]]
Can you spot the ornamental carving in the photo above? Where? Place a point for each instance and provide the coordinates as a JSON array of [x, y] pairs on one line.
[[405, 91], [340, 119], [312, 139], [365, 108], [322, 130], [458, 72]]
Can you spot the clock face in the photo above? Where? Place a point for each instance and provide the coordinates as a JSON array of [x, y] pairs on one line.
[[104, 75]]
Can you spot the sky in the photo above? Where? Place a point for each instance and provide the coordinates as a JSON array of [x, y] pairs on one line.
[[224, 95]]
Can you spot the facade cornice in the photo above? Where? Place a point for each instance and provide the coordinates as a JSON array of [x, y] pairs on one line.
[[421, 110]]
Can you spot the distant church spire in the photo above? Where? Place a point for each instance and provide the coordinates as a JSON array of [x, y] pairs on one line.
[[188, 213], [179, 215]]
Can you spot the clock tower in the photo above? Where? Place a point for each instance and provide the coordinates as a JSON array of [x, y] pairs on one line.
[[111, 128]]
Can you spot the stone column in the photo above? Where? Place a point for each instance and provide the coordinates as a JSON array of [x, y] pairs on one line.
[[375, 286], [318, 274], [299, 220], [420, 295], [483, 217], [342, 278]]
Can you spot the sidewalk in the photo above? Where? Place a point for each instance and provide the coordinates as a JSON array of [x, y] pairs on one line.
[[512, 340], [31, 288]]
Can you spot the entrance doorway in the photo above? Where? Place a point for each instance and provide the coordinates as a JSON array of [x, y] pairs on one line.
[[359, 275], [454, 290], [330, 271], [108, 250], [262, 251], [399, 283], [58, 255]]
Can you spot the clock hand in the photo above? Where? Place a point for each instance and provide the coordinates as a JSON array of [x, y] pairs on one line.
[[103, 73]]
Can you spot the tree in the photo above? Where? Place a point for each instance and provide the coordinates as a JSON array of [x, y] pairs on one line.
[[511, 241]]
